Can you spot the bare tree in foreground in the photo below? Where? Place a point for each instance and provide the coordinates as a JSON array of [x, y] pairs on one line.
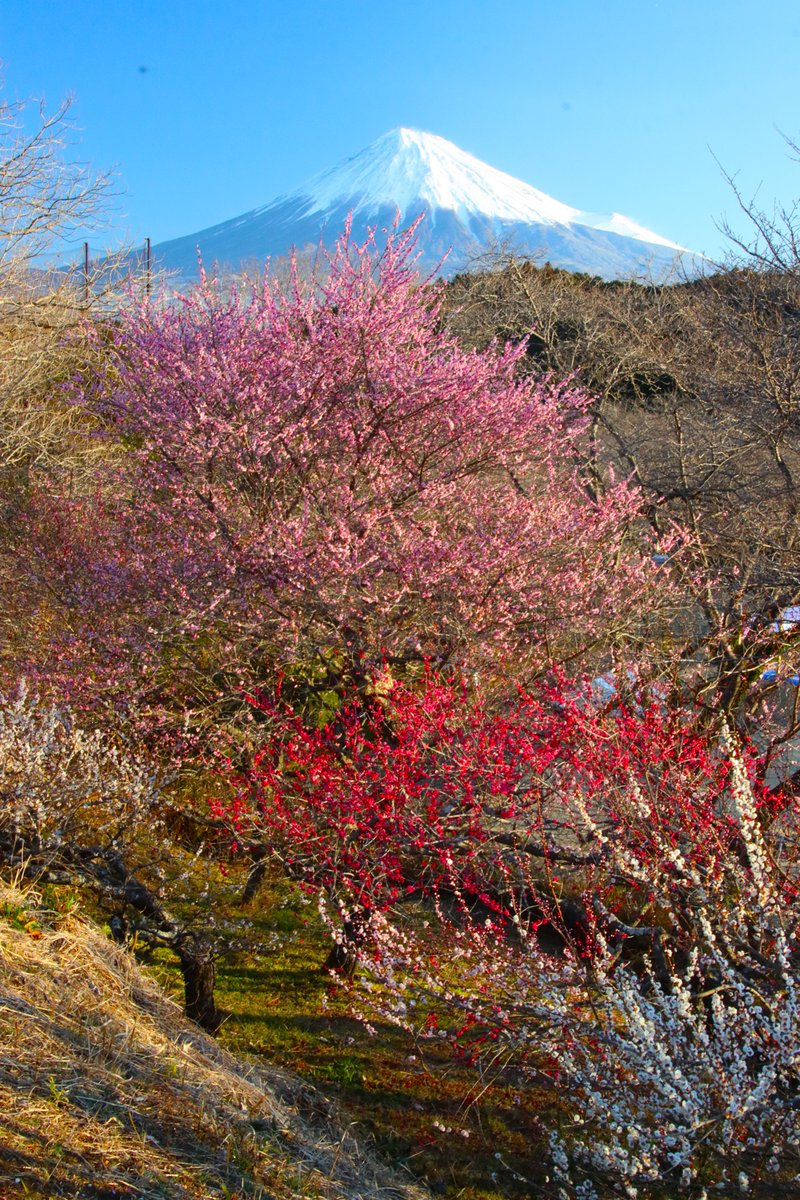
[[47, 201]]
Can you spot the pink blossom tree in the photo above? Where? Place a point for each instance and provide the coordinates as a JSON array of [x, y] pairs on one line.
[[321, 477]]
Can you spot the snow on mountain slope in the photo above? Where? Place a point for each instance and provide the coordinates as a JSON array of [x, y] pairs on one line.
[[468, 206], [409, 169], [405, 167]]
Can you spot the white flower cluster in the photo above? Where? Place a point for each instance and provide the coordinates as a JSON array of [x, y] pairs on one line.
[[60, 783], [686, 1077], [697, 1080]]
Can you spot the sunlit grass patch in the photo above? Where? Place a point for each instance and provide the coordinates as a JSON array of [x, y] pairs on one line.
[[106, 1090], [420, 1105]]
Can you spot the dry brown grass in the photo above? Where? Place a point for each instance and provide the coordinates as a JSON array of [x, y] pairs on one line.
[[106, 1091]]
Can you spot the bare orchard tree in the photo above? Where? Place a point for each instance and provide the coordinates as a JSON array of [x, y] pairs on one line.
[[770, 240], [44, 197], [697, 399], [46, 200]]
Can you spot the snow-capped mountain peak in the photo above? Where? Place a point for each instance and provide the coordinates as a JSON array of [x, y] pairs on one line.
[[409, 170], [468, 207], [406, 168]]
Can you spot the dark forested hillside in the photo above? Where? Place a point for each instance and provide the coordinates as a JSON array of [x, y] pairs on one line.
[[696, 398]]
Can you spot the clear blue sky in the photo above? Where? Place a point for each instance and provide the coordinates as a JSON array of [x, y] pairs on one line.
[[207, 109]]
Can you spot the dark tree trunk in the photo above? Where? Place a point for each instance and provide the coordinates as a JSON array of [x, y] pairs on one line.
[[109, 874], [344, 954], [119, 928], [199, 968], [255, 876]]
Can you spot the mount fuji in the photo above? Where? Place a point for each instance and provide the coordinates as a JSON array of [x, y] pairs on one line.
[[468, 209]]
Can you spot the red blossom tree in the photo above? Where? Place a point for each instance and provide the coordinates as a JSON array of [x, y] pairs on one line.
[[429, 791], [670, 1007], [322, 476]]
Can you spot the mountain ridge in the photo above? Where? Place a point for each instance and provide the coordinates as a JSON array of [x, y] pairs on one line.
[[468, 207]]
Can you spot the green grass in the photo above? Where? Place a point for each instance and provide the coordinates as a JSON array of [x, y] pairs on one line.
[[417, 1104]]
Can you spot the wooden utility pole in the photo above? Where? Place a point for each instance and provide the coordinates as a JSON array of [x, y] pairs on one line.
[[86, 274], [147, 265]]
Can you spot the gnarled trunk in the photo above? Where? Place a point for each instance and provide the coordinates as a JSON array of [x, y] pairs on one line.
[[199, 968]]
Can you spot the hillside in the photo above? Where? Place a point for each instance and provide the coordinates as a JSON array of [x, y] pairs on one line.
[[106, 1091]]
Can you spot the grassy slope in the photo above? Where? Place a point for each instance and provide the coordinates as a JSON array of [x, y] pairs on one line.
[[468, 1137], [107, 1092]]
